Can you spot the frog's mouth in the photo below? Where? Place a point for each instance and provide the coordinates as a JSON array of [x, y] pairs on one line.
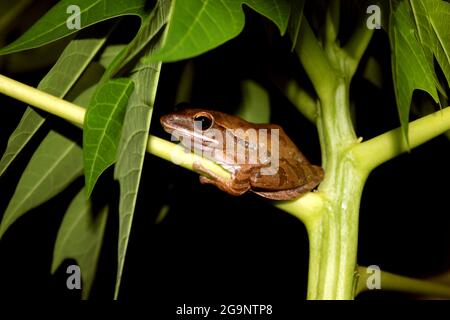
[[181, 129], [191, 137]]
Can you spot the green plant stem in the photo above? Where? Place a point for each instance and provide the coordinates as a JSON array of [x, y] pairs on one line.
[[307, 208], [333, 234], [302, 100], [333, 238], [178, 155], [387, 146], [41, 100], [314, 60], [332, 19], [394, 282], [356, 47]]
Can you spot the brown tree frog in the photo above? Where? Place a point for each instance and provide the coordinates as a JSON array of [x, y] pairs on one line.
[[260, 157]]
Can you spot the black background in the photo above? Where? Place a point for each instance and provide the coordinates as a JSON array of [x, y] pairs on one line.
[[214, 248]]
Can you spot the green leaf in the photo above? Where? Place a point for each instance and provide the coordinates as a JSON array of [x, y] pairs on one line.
[[146, 33], [110, 53], [53, 25], [80, 238], [55, 164], [58, 81], [295, 20], [29, 124], [85, 97], [102, 127], [134, 137], [42, 58], [201, 25], [255, 106], [411, 68], [83, 100], [432, 18]]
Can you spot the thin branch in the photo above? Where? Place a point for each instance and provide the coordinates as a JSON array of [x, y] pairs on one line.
[[332, 19], [307, 209], [356, 47], [41, 100], [178, 155], [387, 146], [314, 61], [394, 282], [301, 99]]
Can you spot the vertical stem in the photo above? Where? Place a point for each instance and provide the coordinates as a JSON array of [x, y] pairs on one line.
[[314, 60], [333, 236], [333, 232], [335, 128], [332, 19]]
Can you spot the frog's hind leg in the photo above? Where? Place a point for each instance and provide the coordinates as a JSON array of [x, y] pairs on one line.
[[235, 187], [225, 185], [288, 194]]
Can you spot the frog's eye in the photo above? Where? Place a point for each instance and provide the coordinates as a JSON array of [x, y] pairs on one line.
[[203, 121]]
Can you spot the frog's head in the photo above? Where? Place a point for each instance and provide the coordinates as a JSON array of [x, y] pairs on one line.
[[200, 119], [206, 130]]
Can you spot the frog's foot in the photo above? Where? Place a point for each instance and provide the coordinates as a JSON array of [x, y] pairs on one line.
[[231, 186]]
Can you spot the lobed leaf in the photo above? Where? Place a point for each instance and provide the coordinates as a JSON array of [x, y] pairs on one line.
[[201, 25], [53, 25], [148, 30], [432, 19], [295, 20], [411, 68]]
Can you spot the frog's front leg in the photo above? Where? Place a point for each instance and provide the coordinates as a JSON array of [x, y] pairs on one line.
[[236, 186]]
